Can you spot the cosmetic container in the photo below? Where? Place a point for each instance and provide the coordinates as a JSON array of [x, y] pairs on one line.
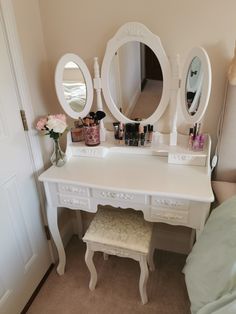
[[77, 134], [142, 139], [121, 131], [196, 142], [136, 134], [128, 132], [116, 130], [190, 139], [201, 141], [145, 133], [126, 138], [150, 133], [92, 135]]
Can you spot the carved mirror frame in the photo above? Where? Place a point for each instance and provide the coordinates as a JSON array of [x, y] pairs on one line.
[[59, 88], [204, 93], [134, 31]]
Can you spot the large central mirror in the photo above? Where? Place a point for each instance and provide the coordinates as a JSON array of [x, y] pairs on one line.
[[135, 80], [136, 75]]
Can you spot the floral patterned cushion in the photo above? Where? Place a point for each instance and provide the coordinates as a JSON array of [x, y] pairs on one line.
[[123, 228]]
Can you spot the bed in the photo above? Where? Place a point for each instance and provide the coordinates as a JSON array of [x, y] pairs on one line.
[[75, 94], [210, 270]]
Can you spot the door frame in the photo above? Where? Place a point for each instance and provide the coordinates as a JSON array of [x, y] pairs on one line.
[[24, 98]]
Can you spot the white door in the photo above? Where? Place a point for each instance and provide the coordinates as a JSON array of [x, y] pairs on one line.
[[24, 252]]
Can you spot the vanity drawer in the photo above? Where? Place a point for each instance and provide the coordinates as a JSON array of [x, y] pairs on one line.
[[73, 189], [171, 203], [169, 216], [120, 196], [74, 202]]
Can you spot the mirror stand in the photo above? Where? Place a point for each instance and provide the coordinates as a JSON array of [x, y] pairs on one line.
[[138, 97], [98, 88], [174, 99]]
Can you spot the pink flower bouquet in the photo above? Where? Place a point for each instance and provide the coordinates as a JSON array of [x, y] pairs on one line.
[[53, 125]]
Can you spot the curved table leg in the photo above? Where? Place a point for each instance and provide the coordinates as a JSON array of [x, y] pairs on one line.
[[53, 227], [151, 263]]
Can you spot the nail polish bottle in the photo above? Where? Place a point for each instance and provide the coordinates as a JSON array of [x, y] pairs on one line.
[[121, 131], [116, 130], [190, 139], [196, 142], [150, 133], [145, 134], [201, 141]]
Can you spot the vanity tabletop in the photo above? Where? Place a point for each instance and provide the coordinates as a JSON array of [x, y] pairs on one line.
[[135, 173]]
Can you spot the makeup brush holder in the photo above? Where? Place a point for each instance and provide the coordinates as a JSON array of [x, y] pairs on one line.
[[92, 135]]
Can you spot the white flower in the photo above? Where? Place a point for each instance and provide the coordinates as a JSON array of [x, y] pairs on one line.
[[56, 125]]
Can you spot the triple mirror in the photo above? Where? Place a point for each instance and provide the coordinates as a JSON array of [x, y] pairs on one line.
[[136, 79]]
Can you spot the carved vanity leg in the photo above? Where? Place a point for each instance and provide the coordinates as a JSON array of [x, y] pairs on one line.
[[53, 226], [105, 256], [151, 263], [198, 232], [93, 273], [79, 223], [192, 238], [143, 279]]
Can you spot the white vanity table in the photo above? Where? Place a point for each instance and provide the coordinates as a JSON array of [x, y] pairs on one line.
[[142, 178], [163, 192]]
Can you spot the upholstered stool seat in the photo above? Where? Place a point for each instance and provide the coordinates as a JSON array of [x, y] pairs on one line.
[[124, 233]]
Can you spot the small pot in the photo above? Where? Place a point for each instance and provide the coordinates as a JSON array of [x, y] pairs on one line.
[[92, 135]]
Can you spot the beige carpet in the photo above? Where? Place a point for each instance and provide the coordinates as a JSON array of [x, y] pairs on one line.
[[148, 100], [117, 288]]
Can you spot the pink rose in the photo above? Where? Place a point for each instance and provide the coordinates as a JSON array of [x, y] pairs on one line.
[[41, 124], [61, 117]]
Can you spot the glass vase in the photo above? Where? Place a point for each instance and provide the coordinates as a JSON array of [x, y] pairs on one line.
[[58, 157]]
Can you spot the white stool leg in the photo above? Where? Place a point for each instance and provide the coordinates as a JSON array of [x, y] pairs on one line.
[[143, 279], [93, 273]]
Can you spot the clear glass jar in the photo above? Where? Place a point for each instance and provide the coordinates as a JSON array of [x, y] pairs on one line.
[[58, 157]]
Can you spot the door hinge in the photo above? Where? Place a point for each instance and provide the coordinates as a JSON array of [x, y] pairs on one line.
[[47, 232], [24, 120]]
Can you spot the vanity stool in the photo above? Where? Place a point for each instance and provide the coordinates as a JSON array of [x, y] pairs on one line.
[[121, 232]]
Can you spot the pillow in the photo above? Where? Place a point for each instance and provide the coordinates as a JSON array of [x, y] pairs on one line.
[[210, 269]]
